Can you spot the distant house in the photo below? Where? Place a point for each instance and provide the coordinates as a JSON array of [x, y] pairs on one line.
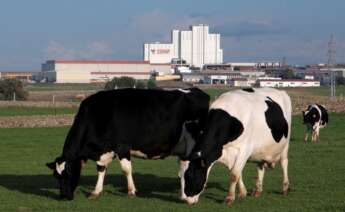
[[216, 77], [192, 78], [240, 82]]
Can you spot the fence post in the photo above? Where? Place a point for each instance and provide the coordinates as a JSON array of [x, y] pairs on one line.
[[54, 106]]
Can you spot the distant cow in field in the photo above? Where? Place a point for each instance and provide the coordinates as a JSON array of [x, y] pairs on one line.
[[315, 118], [119, 123], [251, 124]]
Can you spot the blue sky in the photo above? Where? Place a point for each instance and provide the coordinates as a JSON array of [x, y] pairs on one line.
[[37, 30]]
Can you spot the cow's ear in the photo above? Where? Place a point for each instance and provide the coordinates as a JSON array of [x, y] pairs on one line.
[[51, 165]]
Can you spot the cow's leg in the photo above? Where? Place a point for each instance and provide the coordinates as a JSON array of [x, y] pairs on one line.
[[126, 166], [242, 188], [100, 181], [306, 135], [183, 168], [235, 176], [259, 180], [235, 163], [284, 164], [316, 129], [102, 165], [317, 133], [313, 136], [309, 130]]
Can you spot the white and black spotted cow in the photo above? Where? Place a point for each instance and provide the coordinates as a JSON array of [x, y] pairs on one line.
[[315, 118], [242, 125], [147, 123]]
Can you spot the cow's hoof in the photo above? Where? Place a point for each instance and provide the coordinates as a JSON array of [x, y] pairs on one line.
[[93, 196], [183, 197], [286, 192], [131, 194], [229, 200], [256, 193], [242, 196]]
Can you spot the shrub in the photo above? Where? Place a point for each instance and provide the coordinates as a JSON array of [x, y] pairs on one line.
[[151, 84], [124, 82], [139, 84], [9, 87]]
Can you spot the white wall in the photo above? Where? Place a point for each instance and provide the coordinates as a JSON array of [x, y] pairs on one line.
[[88, 71], [159, 52]]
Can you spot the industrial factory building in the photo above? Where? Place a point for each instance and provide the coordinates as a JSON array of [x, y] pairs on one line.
[[86, 71], [196, 46]]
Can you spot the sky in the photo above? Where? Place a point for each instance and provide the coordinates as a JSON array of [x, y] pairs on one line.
[[34, 31]]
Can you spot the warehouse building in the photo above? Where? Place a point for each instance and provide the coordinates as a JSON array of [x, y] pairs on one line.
[[86, 71], [196, 46], [18, 75]]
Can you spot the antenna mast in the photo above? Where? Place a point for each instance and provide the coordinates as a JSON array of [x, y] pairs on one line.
[[330, 63]]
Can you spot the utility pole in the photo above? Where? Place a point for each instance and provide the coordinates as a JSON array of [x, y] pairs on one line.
[[283, 62], [330, 63]]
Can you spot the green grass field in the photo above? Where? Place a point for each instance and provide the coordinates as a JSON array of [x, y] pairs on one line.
[[30, 111], [317, 177]]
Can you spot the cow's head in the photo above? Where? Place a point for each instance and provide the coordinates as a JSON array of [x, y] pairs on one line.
[[195, 177], [311, 116], [220, 129], [67, 173]]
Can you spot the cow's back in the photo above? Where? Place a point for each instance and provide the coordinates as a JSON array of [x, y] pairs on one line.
[[254, 111], [149, 121]]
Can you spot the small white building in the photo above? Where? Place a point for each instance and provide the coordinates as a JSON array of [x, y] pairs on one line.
[[240, 82], [289, 83]]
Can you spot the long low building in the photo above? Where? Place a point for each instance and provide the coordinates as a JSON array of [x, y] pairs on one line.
[[288, 83], [19, 75], [86, 71]]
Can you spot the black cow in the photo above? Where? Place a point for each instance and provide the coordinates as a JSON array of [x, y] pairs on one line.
[[315, 118], [119, 123]]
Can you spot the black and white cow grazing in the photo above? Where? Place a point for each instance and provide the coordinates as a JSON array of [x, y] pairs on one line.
[[241, 126], [315, 118], [119, 123]]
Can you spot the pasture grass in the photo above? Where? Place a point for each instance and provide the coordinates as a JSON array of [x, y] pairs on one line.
[[317, 177], [30, 111]]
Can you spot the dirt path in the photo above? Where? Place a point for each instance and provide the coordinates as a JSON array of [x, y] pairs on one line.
[[36, 121]]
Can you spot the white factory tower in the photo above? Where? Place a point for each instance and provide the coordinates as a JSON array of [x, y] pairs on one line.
[[196, 46]]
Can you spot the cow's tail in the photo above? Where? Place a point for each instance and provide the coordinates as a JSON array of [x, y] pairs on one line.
[[75, 137]]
